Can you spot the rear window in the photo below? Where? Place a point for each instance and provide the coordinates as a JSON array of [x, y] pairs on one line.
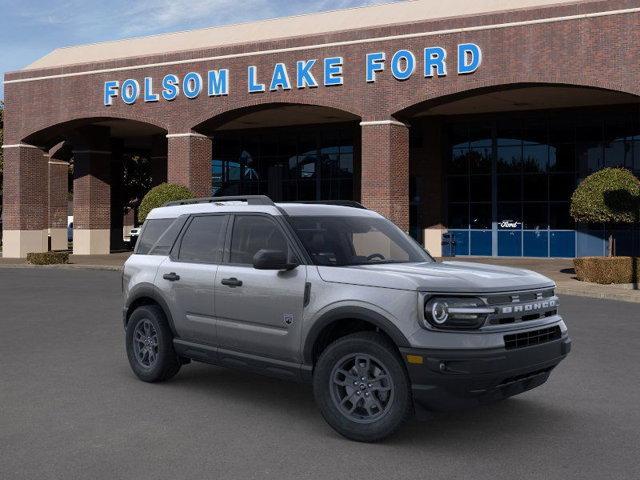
[[151, 232]]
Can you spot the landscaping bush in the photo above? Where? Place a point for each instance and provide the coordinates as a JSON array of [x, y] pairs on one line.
[[611, 195], [607, 270], [158, 196], [48, 258]]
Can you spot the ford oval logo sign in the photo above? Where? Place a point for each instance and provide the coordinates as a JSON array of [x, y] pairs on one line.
[[509, 224]]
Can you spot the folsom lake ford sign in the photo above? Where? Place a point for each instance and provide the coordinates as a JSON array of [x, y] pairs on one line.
[[308, 73]]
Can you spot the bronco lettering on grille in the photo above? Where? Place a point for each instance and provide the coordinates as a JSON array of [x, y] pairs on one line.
[[528, 307]]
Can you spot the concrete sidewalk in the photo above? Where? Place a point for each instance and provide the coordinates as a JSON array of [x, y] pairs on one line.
[[560, 270], [113, 261]]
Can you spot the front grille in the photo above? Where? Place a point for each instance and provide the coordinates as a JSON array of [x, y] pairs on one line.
[[533, 337], [522, 306], [522, 296]]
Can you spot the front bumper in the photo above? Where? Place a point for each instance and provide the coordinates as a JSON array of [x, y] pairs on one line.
[[450, 379]]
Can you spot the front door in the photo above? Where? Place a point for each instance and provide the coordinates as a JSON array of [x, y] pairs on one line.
[[259, 311], [187, 278]]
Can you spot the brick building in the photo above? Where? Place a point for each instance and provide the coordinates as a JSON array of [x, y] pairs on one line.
[[474, 117]]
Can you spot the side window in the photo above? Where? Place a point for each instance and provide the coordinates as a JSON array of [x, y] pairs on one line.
[[204, 240], [167, 239], [151, 232], [252, 233]]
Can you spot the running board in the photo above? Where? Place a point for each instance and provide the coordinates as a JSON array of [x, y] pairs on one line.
[[243, 361]]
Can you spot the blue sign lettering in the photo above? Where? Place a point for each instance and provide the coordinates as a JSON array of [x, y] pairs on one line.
[[375, 63], [434, 59], [304, 77], [170, 87], [333, 71], [192, 85], [149, 96], [218, 82], [110, 91], [402, 67], [280, 78], [130, 91], [403, 64], [469, 58], [254, 87]]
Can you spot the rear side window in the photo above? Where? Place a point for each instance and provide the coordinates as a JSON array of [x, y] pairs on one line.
[[151, 232], [203, 241], [168, 238]]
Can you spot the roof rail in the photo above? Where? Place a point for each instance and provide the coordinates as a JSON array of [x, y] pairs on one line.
[[250, 199], [341, 203]]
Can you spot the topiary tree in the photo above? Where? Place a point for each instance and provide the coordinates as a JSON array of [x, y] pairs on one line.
[[161, 194], [611, 195]]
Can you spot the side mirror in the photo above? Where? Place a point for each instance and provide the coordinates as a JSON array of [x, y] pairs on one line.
[[272, 260]]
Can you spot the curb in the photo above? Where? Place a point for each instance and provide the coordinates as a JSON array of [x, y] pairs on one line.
[[67, 266], [621, 297]]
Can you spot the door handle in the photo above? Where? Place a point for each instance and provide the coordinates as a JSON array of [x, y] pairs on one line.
[[231, 282], [172, 277]]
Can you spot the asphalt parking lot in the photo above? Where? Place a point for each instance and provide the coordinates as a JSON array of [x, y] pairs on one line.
[[70, 407]]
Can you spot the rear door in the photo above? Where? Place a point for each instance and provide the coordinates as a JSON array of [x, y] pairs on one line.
[[259, 311], [187, 277]]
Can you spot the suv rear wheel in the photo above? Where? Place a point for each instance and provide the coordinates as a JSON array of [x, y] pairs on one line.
[[150, 345], [362, 388]]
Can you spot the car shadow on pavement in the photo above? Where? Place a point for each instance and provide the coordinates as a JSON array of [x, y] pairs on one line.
[[494, 424], [293, 402]]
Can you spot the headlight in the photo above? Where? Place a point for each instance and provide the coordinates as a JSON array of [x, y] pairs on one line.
[[456, 312]]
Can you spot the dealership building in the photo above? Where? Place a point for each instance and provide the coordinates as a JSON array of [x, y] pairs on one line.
[[476, 118]]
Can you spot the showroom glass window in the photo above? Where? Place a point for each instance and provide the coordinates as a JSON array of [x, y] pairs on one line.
[[297, 163], [509, 176]]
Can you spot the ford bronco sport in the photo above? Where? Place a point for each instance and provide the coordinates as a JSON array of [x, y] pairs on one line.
[[336, 295]]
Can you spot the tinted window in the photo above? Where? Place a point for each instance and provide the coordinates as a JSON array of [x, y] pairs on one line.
[[252, 233], [151, 231], [204, 240], [167, 239], [340, 241]]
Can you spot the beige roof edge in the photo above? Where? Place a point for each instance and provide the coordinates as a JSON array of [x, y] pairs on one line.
[[283, 27]]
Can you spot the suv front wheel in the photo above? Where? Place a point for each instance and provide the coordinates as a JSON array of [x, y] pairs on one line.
[[150, 345], [362, 387]]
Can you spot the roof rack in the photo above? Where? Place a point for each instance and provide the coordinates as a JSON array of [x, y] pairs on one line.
[[250, 199], [340, 203]]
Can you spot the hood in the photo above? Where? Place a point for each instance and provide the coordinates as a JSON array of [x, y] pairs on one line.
[[446, 277]]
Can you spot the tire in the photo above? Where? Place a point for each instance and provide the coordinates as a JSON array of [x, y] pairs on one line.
[[384, 402], [159, 362]]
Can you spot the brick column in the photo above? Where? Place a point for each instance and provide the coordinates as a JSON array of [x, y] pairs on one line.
[[58, 191], [116, 241], [158, 160], [91, 191], [385, 170], [189, 162], [25, 212]]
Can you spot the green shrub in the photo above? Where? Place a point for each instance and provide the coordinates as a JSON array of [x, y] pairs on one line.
[[158, 196], [611, 195], [607, 270], [48, 258]]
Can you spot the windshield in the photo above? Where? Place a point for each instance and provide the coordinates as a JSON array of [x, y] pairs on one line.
[[341, 241]]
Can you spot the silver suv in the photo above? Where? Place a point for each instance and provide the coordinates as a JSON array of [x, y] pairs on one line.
[[335, 295]]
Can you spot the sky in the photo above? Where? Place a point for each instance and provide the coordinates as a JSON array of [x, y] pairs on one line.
[[29, 29]]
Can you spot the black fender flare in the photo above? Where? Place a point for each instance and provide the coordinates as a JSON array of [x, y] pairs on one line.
[[148, 290], [351, 312]]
